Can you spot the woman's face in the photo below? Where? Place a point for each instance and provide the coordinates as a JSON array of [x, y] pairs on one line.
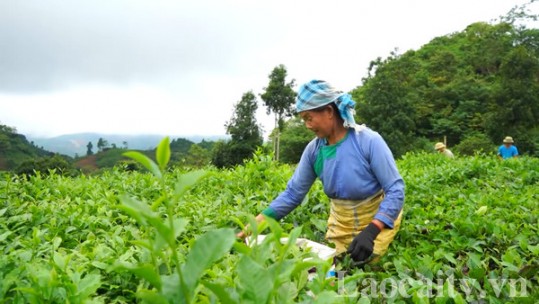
[[320, 122]]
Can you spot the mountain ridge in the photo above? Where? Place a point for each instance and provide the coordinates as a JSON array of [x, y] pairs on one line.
[[76, 144]]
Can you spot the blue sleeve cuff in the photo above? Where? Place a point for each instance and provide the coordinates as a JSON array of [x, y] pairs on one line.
[[389, 222]]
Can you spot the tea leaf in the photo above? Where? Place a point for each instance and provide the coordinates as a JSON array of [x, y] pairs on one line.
[[59, 260], [210, 247], [151, 296], [187, 180], [172, 290], [162, 153], [88, 285], [145, 271], [482, 210], [241, 248], [145, 161], [56, 242], [179, 226], [224, 295], [136, 209], [4, 235], [255, 280], [326, 296]]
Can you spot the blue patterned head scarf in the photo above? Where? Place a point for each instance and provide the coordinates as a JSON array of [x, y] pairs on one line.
[[318, 93]]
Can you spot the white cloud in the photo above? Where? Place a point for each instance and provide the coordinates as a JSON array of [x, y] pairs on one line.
[[178, 67]]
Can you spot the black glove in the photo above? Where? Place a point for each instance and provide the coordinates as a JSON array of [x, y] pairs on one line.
[[361, 247]]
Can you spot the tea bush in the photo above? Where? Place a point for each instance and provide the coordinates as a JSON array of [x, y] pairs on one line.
[[469, 233]]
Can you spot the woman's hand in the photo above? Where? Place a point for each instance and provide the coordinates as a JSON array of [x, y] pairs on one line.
[[243, 234], [363, 244]]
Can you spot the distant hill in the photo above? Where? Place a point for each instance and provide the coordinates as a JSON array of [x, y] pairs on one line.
[[37, 152], [16, 149], [76, 144]]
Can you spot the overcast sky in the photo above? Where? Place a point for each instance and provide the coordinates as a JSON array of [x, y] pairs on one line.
[[178, 67]]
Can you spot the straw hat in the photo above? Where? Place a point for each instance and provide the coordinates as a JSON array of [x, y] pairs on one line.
[[439, 146], [508, 140]]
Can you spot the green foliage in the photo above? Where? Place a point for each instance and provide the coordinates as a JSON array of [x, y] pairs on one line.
[[294, 138], [462, 216], [15, 149], [232, 153], [164, 235], [279, 95], [529, 141], [206, 145], [181, 145], [478, 143], [45, 165], [123, 237], [517, 101], [188, 154], [198, 157], [183, 153], [387, 95], [102, 144], [245, 134], [481, 81], [89, 147], [243, 127], [109, 158], [221, 156], [180, 279]]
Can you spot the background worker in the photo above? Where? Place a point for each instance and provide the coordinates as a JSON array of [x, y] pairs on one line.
[[442, 149], [507, 149], [357, 170]]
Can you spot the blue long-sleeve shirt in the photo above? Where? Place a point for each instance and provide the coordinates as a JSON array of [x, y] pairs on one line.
[[358, 166]]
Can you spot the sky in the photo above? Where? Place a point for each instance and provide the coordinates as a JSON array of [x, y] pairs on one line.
[[177, 68]]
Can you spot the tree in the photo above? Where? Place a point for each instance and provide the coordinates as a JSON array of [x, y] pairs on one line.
[[244, 131], [517, 110], [470, 87], [294, 138], [90, 147], [208, 145], [279, 98], [220, 156], [4, 142], [181, 145], [197, 156], [5, 132], [243, 127], [7, 129], [388, 94], [102, 144], [44, 165]]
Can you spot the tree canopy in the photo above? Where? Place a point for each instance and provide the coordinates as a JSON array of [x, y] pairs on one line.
[[245, 134], [480, 83], [279, 97], [294, 138]]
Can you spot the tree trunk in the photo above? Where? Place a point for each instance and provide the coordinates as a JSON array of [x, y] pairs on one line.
[[276, 140], [278, 144]]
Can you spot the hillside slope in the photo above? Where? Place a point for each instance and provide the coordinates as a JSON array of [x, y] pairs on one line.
[[16, 149]]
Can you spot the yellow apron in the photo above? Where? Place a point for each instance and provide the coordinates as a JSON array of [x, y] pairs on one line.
[[348, 218]]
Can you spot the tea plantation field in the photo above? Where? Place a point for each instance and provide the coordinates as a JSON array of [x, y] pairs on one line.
[[469, 234]]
